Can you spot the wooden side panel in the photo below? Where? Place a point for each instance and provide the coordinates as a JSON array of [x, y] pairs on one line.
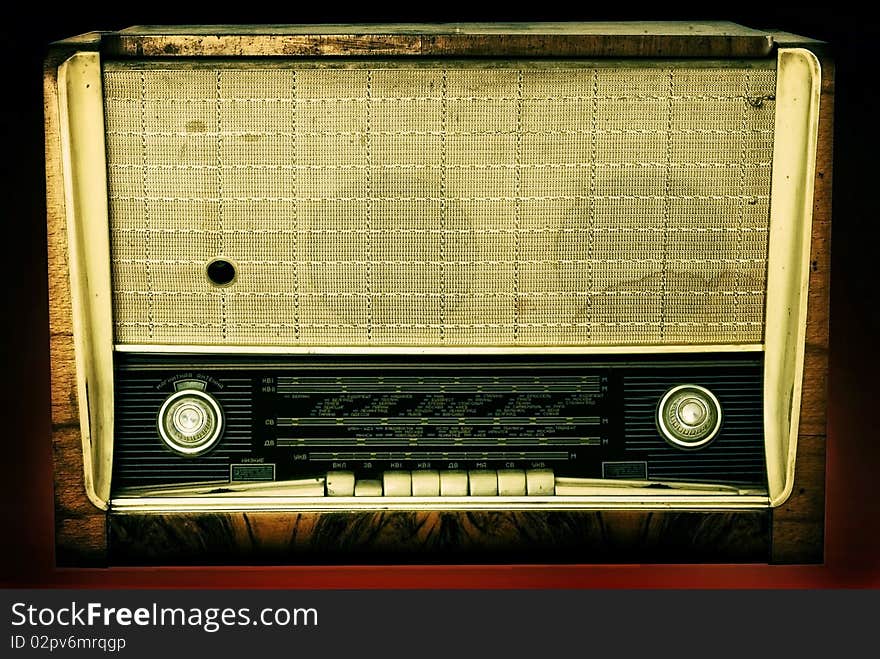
[[439, 537], [798, 525], [80, 527]]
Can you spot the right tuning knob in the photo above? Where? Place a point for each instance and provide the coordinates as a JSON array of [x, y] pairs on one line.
[[689, 416]]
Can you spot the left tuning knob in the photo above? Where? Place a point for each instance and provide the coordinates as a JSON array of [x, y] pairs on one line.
[[190, 422]]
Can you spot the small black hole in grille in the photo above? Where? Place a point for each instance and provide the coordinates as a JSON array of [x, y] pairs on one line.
[[221, 272]]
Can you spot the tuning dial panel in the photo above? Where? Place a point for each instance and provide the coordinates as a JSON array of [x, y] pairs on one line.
[[190, 422], [444, 427], [689, 416]]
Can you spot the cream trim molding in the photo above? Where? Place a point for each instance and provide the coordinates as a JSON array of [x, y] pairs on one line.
[[798, 85], [83, 162], [331, 504], [86, 204], [309, 495], [436, 350]]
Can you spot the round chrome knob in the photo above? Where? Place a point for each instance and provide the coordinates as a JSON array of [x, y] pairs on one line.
[[689, 416], [692, 412], [190, 422]]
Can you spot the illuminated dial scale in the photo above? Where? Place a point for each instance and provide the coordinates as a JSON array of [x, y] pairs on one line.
[[446, 421]]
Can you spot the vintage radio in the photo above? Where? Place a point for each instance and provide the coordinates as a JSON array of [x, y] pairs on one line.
[[550, 292]]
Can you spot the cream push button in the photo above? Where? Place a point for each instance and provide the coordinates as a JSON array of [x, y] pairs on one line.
[[540, 482], [340, 484], [511, 482], [426, 483], [453, 484], [397, 484], [482, 483], [368, 488]]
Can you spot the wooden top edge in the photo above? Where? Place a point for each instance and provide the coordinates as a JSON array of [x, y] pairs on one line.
[[655, 39], [625, 28]]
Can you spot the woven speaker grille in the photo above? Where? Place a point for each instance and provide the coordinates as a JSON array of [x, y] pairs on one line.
[[427, 206]]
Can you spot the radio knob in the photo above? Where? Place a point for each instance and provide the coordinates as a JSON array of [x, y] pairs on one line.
[[689, 416], [190, 422]]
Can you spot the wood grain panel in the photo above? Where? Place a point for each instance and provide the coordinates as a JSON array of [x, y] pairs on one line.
[[637, 39], [439, 537], [80, 527]]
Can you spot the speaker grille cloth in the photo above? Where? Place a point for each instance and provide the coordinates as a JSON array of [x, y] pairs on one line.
[[429, 206]]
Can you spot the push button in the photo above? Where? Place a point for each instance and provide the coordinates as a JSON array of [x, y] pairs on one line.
[[340, 483], [453, 484], [511, 482], [483, 483], [397, 484], [540, 482], [368, 488], [426, 483]]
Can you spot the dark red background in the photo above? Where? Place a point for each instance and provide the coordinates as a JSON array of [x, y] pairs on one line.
[[853, 504]]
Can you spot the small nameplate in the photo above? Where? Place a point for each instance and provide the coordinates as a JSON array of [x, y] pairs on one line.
[[252, 472], [625, 470]]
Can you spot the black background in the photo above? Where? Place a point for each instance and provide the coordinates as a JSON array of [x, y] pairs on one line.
[[853, 503]]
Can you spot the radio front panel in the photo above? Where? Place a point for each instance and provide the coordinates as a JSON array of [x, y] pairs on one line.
[[291, 419]]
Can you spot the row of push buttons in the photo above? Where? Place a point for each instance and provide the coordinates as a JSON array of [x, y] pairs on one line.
[[430, 483]]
